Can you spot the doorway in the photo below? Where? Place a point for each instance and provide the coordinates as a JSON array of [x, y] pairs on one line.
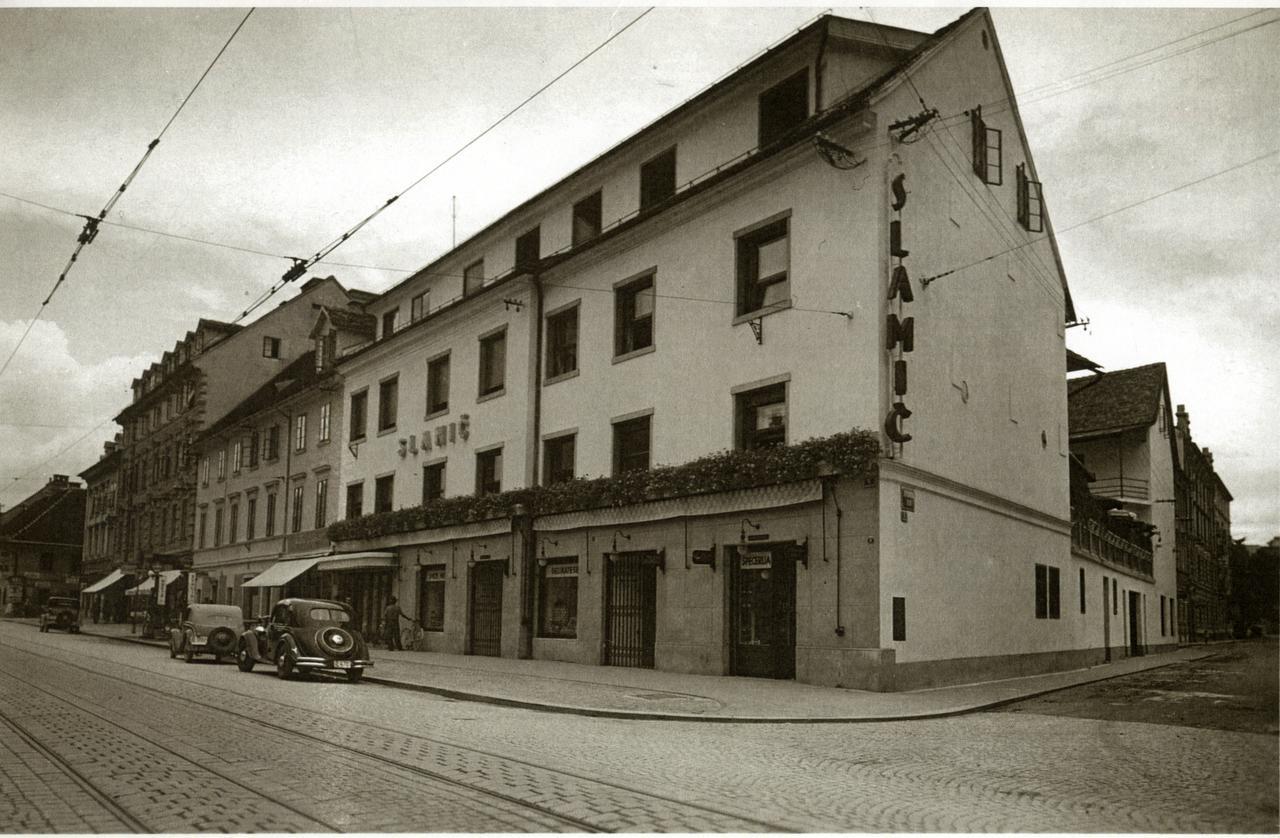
[[631, 610], [486, 608], [762, 599], [1135, 623]]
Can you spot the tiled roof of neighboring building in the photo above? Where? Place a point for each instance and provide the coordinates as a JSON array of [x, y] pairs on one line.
[[54, 514], [1115, 401], [294, 378], [355, 321]]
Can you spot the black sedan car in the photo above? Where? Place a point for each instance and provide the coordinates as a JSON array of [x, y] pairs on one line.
[[61, 612], [305, 635]]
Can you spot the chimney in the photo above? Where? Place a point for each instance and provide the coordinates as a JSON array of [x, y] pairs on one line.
[[1184, 421], [1208, 456], [59, 480]]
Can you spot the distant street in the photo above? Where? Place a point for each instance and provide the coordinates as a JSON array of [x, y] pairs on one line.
[[102, 736]]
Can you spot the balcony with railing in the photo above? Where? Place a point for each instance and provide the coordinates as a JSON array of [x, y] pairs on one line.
[[1122, 488], [1102, 532]]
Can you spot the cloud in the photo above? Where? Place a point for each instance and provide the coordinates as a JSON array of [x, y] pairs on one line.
[[50, 400]]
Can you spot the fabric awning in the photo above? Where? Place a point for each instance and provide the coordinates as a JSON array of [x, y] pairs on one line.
[[167, 578], [281, 573], [105, 582], [358, 561]]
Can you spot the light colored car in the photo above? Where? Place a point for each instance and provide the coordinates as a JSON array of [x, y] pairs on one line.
[[207, 629]]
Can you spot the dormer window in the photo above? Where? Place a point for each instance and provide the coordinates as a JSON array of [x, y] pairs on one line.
[[418, 307], [389, 323], [587, 218], [472, 277], [528, 249], [658, 179], [783, 107]]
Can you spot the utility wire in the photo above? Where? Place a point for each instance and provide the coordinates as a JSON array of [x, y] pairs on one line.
[[90, 231], [25, 475], [1107, 214], [301, 266]]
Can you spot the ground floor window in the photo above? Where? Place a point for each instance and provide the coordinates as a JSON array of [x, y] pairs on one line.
[[431, 602], [558, 603], [1047, 587]]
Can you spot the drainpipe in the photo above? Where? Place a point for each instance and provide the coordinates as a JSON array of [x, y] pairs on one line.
[[521, 519]]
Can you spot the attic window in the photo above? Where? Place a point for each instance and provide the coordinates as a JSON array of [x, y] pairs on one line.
[[270, 347], [418, 307], [784, 106], [472, 277], [658, 179], [1030, 201], [987, 150], [528, 249], [587, 218]]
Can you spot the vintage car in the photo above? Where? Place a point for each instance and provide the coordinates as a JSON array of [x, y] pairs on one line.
[[61, 612], [206, 629], [305, 635]]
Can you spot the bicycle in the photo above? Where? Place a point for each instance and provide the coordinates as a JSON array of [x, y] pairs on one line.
[[409, 637]]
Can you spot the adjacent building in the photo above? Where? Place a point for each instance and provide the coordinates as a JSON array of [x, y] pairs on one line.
[[1203, 541], [40, 547], [103, 599]]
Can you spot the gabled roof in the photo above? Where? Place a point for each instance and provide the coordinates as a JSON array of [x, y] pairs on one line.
[[54, 514], [293, 379], [1112, 402], [349, 321], [1078, 363]]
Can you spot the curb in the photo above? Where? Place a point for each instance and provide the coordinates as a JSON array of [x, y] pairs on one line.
[[594, 712]]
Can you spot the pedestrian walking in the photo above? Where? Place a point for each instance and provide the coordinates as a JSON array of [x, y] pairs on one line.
[[391, 624]]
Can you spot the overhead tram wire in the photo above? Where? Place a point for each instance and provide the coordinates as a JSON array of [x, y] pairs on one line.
[[90, 231], [29, 472], [1094, 219], [301, 266]]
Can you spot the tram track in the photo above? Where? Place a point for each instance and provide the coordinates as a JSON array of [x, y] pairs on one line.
[[739, 822]]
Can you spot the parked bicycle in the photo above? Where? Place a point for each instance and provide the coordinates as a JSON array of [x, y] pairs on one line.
[[411, 635]]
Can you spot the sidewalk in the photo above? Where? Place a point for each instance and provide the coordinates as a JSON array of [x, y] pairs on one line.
[[622, 692]]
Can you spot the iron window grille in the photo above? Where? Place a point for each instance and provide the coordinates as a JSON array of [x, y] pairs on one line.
[[988, 150]]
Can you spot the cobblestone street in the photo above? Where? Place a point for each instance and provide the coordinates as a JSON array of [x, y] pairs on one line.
[[107, 737]]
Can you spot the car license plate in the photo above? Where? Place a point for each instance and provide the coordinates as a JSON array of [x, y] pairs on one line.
[[342, 664]]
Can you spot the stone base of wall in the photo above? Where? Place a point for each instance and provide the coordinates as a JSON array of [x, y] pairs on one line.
[[923, 674], [854, 669]]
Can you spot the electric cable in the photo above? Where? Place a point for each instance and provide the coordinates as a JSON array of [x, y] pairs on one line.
[[25, 475], [90, 231]]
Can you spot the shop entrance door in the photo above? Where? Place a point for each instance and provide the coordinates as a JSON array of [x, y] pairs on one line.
[[486, 609], [762, 599], [1135, 621], [631, 610]]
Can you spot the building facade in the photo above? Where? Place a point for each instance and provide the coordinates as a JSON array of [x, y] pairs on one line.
[[41, 540], [103, 553], [774, 263], [1203, 541]]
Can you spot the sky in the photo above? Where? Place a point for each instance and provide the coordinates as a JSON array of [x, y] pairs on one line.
[[313, 117]]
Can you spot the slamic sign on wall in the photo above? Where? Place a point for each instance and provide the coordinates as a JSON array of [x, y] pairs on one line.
[[900, 330]]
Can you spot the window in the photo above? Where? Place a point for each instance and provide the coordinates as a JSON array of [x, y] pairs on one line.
[[355, 500], [489, 472], [418, 307], [326, 350], [633, 316], [987, 150], [237, 457], [1082, 599], [631, 445], [295, 515], [1115, 597], [250, 519], [899, 618], [359, 410], [271, 515], [324, 422], [217, 526], [270, 347], [1047, 592], [233, 524], [761, 417], [432, 482], [472, 277], [783, 107], [252, 440], [300, 432], [383, 492], [204, 525], [222, 464], [438, 385], [558, 599], [389, 322], [562, 343], [387, 393], [558, 459], [204, 471], [764, 260], [528, 249], [1162, 623], [322, 501], [1031, 211], [658, 179], [431, 608], [587, 218], [493, 362]]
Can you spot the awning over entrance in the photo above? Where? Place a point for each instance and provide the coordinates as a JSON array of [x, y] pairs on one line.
[[358, 561], [167, 578], [105, 582], [281, 573]]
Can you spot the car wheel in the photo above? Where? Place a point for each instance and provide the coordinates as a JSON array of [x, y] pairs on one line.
[[354, 675], [284, 664], [244, 660]]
